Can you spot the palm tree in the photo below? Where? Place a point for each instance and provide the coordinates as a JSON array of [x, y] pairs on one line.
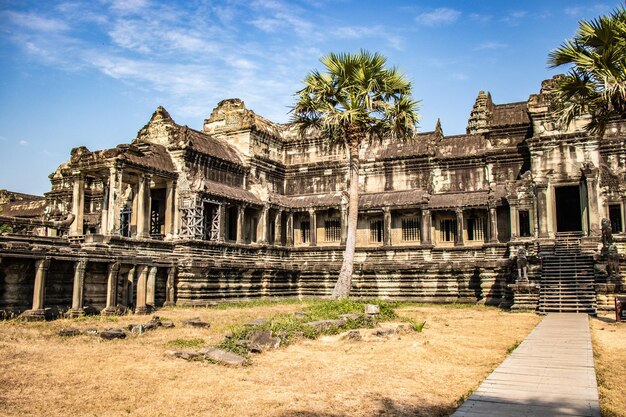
[[357, 99], [596, 82]]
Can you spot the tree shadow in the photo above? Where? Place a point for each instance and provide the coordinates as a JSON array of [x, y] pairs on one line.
[[387, 408]]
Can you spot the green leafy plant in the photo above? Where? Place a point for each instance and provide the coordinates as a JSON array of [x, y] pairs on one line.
[[186, 343]]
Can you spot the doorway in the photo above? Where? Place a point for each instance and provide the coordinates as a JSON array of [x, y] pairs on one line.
[[568, 214]]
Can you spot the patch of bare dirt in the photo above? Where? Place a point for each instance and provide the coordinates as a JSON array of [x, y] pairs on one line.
[[423, 374]]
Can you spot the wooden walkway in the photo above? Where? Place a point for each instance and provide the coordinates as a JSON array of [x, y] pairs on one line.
[[551, 373]]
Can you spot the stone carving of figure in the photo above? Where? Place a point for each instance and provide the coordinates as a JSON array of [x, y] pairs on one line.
[[607, 235], [522, 264]]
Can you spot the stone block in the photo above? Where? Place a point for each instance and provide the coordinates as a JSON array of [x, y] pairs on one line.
[[110, 334]]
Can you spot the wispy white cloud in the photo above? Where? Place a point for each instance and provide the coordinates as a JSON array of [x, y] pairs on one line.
[[34, 22], [590, 9], [192, 65], [459, 76], [375, 32], [513, 18], [438, 17], [490, 45], [23, 143]]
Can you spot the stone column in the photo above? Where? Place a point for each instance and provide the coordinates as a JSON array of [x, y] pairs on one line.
[[387, 226], [151, 287], [78, 205], [264, 220], [78, 289], [130, 286], [513, 213], [459, 227], [278, 228], [177, 214], [493, 224], [542, 205], [111, 306], [170, 196], [289, 237], [594, 212], [240, 224], [344, 224], [426, 227], [221, 236], [104, 219], [312, 227], [170, 286], [37, 312], [143, 207], [142, 282], [115, 192]]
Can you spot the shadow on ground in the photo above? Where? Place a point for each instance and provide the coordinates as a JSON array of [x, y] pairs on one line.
[[387, 408]]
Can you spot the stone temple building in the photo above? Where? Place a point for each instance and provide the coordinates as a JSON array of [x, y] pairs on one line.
[[244, 208]]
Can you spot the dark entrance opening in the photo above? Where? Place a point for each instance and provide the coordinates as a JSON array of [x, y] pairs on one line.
[[568, 216]]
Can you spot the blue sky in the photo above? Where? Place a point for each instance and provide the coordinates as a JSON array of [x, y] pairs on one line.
[[91, 72]]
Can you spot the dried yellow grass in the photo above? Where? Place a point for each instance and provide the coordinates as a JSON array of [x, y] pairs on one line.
[[423, 374], [609, 348]]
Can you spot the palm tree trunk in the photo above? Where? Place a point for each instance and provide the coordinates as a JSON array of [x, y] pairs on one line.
[[344, 282]]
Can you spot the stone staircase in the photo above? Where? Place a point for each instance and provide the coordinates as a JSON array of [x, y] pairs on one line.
[[567, 278]]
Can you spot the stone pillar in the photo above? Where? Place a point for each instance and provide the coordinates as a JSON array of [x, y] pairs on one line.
[[278, 228], [221, 235], [142, 282], [78, 205], [427, 221], [312, 227], [344, 224], [289, 237], [387, 226], [240, 224], [177, 214], [104, 219], [143, 207], [594, 211], [264, 221], [37, 312], [151, 287], [514, 215], [170, 286], [111, 306], [78, 289], [170, 196], [115, 192], [493, 224], [542, 206], [459, 227], [130, 286]]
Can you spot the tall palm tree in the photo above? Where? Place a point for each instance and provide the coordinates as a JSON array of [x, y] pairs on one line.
[[596, 82], [356, 99]]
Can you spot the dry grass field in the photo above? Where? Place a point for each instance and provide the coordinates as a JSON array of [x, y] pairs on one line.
[[423, 374], [609, 348]]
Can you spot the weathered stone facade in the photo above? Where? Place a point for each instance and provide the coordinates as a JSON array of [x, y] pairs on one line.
[[247, 208]]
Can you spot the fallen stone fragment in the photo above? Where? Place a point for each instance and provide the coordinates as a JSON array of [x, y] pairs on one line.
[[91, 331], [300, 314], [372, 309], [196, 322], [184, 354], [262, 340], [353, 335], [136, 328], [110, 334], [385, 332], [352, 316], [69, 332], [223, 357], [323, 325], [167, 324], [151, 325], [256, 322]]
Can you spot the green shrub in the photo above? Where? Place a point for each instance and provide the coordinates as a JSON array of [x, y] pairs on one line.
[[186, 343]]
